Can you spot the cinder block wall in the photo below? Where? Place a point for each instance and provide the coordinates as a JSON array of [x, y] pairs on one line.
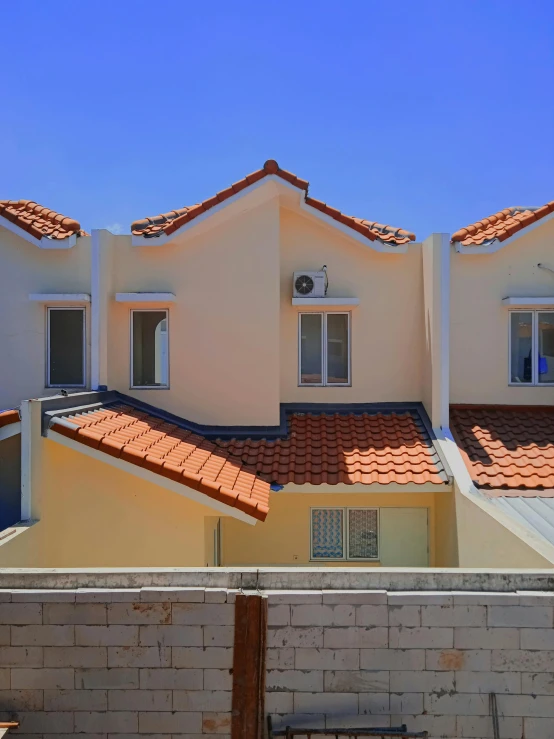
[[157, 661]]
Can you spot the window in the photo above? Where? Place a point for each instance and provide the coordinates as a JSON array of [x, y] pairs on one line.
[[531, 347], [65, 347], [149, 349], [344, 533], [324, 348]]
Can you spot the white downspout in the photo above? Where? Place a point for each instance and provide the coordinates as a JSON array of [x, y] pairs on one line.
[[95, 282]]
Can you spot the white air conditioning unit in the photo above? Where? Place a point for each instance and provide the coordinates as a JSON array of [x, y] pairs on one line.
[[309, 284]]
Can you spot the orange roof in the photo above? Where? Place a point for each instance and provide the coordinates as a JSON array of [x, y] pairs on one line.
[[167, 223], [501, 225], [39, 221], [506, 447], [183, 456], [8, 417]]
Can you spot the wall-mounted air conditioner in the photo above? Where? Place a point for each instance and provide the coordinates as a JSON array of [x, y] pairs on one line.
[[309, 284]]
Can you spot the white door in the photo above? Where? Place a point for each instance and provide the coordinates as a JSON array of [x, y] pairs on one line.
[[404, 534]]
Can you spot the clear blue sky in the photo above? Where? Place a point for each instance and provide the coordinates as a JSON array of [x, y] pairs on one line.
[[426, 114]]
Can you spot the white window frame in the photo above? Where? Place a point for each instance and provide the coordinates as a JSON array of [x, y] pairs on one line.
[[324, 382], [49, 309], [345, 534], [534, 349], [147, 387]]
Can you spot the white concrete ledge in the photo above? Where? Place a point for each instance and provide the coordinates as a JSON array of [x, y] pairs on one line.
[[59, 297], [326, 302], [145, 297], [523, 302]]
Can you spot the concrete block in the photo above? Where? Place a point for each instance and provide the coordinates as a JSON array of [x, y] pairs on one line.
[[475, 616], [295, 637], [216, 724], [535, 598], [294, 597], [171, 678], [355, 597], [356, 681], [406, 703], [22, 700], [326, 659], [536, 706], [22, 657], [320, 615], [107, 595], [459, 704], [364, 720], [372, 616], [104, 636], [408, 681], [541, 683], [215, 595], [210, 657], [479, 598], [497, 638], [20, 613], [521, 660], [376, 704], [356, 637], [521, 616], [404, 615], [39, 722], [116, 722], [304, 720], [37, 679], [75, 700], [457, 659], [74, 613], [278, 615], [139, 656], [437, 726], [171, 636], [279, 703], [50, 636], [392, 659], [139, 613], [308, 681], [5, 678], [218, 679], [422, 637], [537, 728], [43, 596], [480, 727], [5, 596], [328, 703], [219, 636], [203, 614], [75, 656], [140, 700], [420, 598], [488, 682], [280, 659], [175, 722], [202, 700], [116, 678], [537, 638], [172, 595], [5, 635]]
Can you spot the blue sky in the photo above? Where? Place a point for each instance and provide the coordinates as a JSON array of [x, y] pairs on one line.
[[426, 114]]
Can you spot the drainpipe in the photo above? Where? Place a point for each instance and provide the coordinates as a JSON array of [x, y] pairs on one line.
[[95, 283]]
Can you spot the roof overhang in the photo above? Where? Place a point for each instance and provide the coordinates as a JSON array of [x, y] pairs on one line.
[[496, 245], [269, 188], [44, 242], [147, 475]]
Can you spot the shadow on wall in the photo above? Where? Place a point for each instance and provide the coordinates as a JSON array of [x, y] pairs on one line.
[[10, 481]]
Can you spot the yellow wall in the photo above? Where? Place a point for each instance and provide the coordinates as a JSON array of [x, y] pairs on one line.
[[480, 322], [387, 326], [94, 515], [284, 538], [28, 269]]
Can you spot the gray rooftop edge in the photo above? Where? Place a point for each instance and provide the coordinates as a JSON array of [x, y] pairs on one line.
[[314, 578]]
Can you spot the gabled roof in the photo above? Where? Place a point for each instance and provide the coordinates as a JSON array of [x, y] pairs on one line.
[[500, 226], [168, 223], [380, 447], [39, 221], [507, 448], [8, 417]]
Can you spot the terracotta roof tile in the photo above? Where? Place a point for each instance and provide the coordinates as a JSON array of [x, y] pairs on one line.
[[8, 417], [168, 223], [39, 221], [332, 449], [506, 447], [501, 225]]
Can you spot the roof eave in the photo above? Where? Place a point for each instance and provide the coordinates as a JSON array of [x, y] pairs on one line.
[[42, 243]]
